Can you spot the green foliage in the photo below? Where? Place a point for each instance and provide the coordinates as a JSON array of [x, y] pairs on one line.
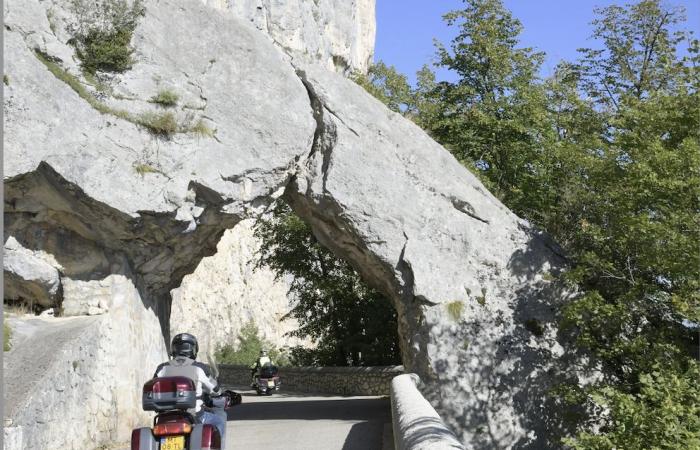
[[389, 86], [639, 52], [6, 79], [663, 413], [6, 336], [352, 323], [455, 309], [493, 117], [103, 35], [165, 97], [74, 83], [106, 51], [248, 348]]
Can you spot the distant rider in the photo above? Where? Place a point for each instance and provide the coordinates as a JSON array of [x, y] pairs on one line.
[[262, 361], [184, 350]]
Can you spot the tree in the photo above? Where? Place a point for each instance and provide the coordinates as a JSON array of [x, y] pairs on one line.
[[248, 349], [639, 52], [493, 118], [633, 238], [351, 323], [389, 86]]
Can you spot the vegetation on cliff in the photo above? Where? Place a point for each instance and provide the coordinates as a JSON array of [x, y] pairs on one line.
[[605, 156]]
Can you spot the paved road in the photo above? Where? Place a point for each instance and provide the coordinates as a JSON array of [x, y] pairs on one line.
[[306, 422]]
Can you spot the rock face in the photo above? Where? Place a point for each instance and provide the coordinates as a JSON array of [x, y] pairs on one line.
[[475, 287], [337, 34], [226, 291], [30, 276]]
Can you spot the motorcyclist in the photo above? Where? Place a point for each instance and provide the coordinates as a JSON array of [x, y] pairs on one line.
[[183, 349], [262, 361]]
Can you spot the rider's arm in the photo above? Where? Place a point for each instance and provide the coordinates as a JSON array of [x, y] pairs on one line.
[[209, 383]]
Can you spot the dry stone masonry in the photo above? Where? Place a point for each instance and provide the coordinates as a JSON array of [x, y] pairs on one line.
[[322, 380], [105, 197]]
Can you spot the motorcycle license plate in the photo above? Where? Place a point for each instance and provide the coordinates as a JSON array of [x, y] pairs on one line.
[[271, 384], [172, 443]]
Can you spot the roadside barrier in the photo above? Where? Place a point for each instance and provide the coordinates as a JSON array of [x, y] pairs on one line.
[[417, 426]]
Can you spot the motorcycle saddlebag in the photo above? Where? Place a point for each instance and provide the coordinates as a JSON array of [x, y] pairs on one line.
[[166, 393], [143, 439]]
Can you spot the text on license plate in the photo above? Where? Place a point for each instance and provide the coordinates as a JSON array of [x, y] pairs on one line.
[[172, 443]]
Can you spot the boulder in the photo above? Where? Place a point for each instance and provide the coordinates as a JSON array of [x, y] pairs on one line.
[[31, 277]]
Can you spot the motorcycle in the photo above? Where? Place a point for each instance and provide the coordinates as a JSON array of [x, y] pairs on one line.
[[268, 381], [174, 428]]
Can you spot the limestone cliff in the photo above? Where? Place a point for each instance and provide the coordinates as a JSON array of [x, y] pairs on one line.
[[338, 34], [226, 291], [90, 183]]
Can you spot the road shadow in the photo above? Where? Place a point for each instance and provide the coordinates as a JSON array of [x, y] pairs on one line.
[[361, 409], [365, 436]]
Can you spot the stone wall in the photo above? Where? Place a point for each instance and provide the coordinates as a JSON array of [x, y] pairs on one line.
[[75, 382], [322, 380]]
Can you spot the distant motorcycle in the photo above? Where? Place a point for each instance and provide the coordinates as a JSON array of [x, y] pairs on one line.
[[267, 381], [174, 428]]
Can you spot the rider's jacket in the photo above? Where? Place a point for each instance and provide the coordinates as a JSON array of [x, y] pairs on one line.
[[261, 362], [200, 373]]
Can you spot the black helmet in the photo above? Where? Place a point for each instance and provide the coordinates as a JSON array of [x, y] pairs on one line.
[[184, 344]]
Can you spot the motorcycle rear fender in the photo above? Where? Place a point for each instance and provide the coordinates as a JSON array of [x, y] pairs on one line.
[[143, 439]]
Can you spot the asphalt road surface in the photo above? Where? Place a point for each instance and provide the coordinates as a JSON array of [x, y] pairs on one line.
[[308, 422]]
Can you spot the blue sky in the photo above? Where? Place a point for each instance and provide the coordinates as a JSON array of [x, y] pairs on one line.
[[406, 28]]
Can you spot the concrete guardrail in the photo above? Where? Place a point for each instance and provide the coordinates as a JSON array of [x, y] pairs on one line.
[[417, 426]]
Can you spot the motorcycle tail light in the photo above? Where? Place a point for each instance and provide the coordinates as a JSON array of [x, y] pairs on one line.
[[165, 429]]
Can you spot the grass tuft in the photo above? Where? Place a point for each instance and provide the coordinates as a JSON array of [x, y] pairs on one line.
[[6, 79], [165, 98], [455, 309], [6, 336], [143, 169], [481, 299], [163, 124], [202, 129]]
